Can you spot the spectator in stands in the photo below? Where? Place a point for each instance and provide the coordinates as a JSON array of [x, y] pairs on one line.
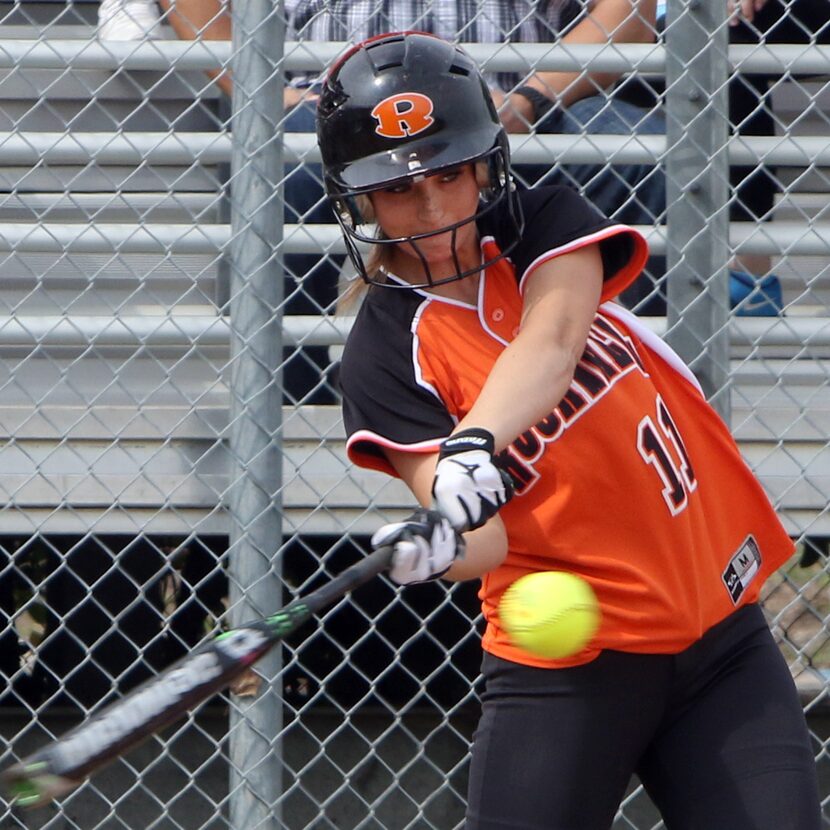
[[751, 112], [558, 102], [484, 344], [631, 192], [310, 287], [753, 288]]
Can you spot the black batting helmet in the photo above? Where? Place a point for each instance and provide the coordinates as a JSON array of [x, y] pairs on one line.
[[401, 106]]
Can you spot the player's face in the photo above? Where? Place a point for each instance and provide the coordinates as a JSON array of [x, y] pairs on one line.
[[428, 204]]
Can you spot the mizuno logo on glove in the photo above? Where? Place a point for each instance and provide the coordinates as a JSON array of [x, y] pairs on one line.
[[461, 442]]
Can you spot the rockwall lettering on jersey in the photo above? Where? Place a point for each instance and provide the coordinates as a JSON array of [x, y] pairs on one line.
[[609, 355]]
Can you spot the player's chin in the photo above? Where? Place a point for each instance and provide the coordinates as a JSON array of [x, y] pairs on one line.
[[437, 251]]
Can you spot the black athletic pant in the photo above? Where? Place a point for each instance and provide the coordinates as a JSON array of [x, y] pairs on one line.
[[716, 734]]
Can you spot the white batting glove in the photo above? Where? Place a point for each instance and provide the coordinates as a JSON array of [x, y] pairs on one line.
[[469, 487], [426, 544]]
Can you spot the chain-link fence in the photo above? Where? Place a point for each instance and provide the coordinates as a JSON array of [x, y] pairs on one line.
[[173, 458]]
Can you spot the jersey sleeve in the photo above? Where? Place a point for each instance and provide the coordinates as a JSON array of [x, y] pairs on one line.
[[386, 405], [557, 220]]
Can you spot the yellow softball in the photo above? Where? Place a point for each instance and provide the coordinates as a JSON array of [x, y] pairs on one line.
[[551, 614]]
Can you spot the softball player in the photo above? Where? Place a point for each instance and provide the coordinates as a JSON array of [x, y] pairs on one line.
[[489, 369]]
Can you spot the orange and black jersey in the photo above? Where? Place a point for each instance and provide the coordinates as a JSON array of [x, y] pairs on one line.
[[384, 373], [632, 481]]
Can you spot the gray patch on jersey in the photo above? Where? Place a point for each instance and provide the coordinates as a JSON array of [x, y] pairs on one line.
[[743, 567]]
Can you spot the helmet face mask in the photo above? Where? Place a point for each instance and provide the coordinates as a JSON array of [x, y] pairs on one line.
[[355, 215], [406, 106]]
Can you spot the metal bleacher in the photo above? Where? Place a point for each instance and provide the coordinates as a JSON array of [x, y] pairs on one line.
[[87, 407], [781, 383], [114, 350], [113, 347]]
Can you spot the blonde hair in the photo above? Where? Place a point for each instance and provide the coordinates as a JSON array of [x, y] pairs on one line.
[[353, 290]]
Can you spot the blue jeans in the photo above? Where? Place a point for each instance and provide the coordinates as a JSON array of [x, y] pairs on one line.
[[310, 279], [631, 193]]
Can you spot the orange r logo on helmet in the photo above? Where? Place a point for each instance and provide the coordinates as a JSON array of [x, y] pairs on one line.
[[403, 115]]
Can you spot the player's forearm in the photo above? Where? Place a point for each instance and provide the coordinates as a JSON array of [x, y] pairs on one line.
[[532, 375], [610, 21], [486, 550], [526, 383], [201, 20]]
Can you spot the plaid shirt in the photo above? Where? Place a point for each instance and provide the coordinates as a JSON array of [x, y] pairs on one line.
[[465, 21]]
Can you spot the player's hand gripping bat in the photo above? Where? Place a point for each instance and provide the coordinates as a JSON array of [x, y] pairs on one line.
[[63, 764]]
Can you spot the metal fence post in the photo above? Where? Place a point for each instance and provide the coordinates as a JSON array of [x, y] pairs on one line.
[[256, 293], [697, 191]]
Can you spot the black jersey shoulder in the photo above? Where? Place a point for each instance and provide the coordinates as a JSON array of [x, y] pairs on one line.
[[379, 381], [554, 217]]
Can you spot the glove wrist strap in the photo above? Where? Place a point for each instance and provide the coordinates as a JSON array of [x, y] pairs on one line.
[[473, 438]]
